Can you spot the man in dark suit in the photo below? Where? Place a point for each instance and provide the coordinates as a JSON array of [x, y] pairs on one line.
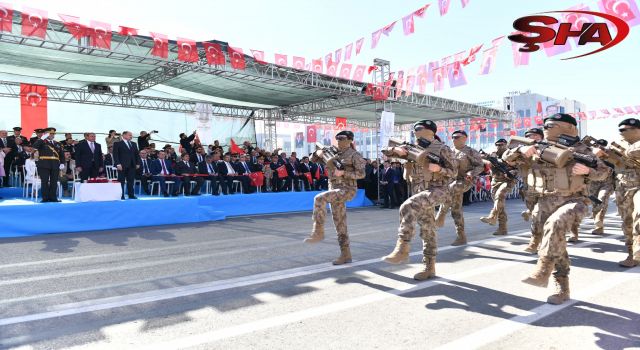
[[50, 156], [276, 181], [304, 168], [11, 143], [185, 141], [198, 156], [243, 169], [320, 179], [387, 186], [162, 171], [18, 154], [144, 172], [4, 143], [187, 170], [209, 167], [227, 174], [293, 175], [127, 160], [89, 161]]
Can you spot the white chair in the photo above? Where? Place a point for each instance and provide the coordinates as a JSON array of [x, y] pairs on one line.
[[157, 183], [207, 187], [112, 172], [73, 185], [237, 186]]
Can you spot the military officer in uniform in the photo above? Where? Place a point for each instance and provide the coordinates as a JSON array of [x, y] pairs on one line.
[[470, 165], [344, 168], [51, 155], [428, 174], [562, 196], [501, 184]]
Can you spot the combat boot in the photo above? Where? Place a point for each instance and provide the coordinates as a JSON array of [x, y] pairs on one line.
[[428, 271], [540, 277], [574, 234], [628, 262], [526, 215], [461, 239], [491, 220], [598, 231], [502, 229], [345, 255], [442, 215], [400, 254], [533, 245], [317, 234], [562, 291]]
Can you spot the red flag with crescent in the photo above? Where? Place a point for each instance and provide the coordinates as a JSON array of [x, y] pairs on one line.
[[34, 22], [160, 45], [100, 35], [33, 107], [75, 28], [308, 175], [6, 18], [128, 31], [235, 149], [341, 123], [282, 171], [187, 50], [257, 178], [214, 54], [312, 133], [237, 58]]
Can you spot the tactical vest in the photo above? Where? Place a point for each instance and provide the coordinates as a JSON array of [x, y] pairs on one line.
[[546, 178], [627, 175], [419, 175], [347, 158]]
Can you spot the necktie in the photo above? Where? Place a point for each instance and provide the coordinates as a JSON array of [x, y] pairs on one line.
[[144, 166], [4, 142], [246, 168], [210, 169], [164, 169], [199, 158], [128, 145], [93, 148]]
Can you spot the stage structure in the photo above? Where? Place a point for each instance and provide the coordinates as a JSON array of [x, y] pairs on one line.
[[263, 91]]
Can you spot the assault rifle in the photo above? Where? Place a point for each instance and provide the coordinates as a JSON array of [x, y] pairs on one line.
[[415, 153], [558, 154], [498, 164], [328, 154]]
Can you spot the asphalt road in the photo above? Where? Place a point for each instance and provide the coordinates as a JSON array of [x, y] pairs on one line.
[[250, 283]]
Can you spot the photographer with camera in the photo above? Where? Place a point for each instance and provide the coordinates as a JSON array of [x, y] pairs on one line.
[[113, 137], [185, 142], [143, 139]]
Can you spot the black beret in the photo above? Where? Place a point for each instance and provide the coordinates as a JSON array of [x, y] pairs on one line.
[[501, 141], [562, 117], [346, 133], [17, 128], [534, 131], [631, 122], [427, 124], [49, 129], [39, 130], [459, 132], [602, 142]]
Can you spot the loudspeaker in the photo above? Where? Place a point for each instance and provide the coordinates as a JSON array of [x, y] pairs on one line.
[[99, 88]]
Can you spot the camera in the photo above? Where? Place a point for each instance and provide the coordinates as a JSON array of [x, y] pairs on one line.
[[154, 131]]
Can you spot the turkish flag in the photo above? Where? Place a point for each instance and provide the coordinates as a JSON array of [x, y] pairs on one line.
[[472, 55], [359, 43], [577, 20], [34, 22], [187, 50], [317, 65], [539, 120], [74, 27], [421, 11], [345, 71], [375, 37], [527, 122], [443, 5], [625, 9], [582, 115], [128, 31], [592, 115], [298, 62], [386, 30], [347, 51], [332, 69], [399, 83], [517, 122], [430, 68], [407, 24], [235, 149], [421, 78], [358, 74], [328, 58], [629, 110], [619, 111], [312, 132], [258, 56], [341, 123], [411, 81], [438, 78], [308, 175], [6, 18], [33, 107], [519, 58], [100, 35], [550, 49], [160, 45], [237, 58], [488, 60], [282, 171], [281, 60], [317, 174], [257, 178], [456, 75], [214, 54]]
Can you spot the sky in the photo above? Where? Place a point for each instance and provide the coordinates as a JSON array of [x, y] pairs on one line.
[[313, 29]]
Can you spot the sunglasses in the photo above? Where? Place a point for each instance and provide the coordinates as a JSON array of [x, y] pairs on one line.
[[341, 138], [621, 130], [549, 126], [418, 128], [457, 136]]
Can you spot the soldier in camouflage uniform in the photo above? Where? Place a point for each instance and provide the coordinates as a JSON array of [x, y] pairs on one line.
[[531, 197], [470, 165], [602, 190], [627, 170], [342, 188], [563, 199], [428, 182], [501, 185]]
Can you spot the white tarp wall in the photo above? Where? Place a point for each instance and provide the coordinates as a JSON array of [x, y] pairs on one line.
[[79, 118]]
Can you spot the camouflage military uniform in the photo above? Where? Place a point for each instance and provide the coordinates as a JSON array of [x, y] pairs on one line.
[[429, 190], [469, 162], [501, 186], [628, 201], [341, 190], [563, 202], [602, 190]]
